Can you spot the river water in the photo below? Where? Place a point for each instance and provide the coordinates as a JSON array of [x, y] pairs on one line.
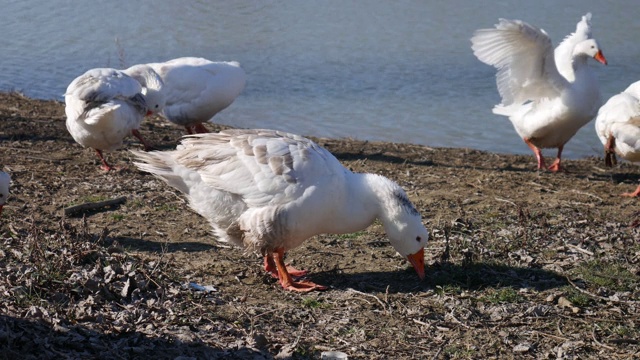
[[398, 71]]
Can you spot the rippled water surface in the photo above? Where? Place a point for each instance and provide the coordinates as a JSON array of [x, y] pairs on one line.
[[397, 71]]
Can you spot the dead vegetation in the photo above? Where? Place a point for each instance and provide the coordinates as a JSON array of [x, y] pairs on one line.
[[521, 264]]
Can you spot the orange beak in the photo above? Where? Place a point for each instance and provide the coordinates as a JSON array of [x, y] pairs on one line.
[[417, 260], [1, 209], [149, 112], [600, 58]]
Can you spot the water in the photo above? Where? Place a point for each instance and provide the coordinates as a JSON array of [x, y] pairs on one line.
[[398, 71]]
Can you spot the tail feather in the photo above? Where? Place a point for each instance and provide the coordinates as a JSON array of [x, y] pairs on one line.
[[161, 165]]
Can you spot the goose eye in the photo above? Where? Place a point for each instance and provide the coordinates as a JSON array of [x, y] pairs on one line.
[[418, 238], [157, 106]]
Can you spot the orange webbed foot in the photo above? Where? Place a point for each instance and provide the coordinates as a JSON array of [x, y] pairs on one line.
[[270, 267], [284, 275], [556, 167], [633, 194]]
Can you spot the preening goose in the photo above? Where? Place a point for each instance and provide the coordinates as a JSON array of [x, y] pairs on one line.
[[196, 89], [105, 105], [618, 127]]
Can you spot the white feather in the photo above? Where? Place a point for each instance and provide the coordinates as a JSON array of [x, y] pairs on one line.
[[545, 108], [102, 107], [263, 189], [620, 117], [196, 89]]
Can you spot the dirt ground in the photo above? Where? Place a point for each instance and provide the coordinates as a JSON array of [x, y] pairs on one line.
[[520, 264]]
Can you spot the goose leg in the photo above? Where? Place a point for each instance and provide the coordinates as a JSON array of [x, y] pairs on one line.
[[609, 152], [200, 128], [285, 278], [147, 146], [105, 166], [270, 267], [556, 166], [610, 160], [537, 152], [633, 194]]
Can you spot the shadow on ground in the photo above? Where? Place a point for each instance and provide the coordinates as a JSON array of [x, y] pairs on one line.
[[457, 277], [34, 339]]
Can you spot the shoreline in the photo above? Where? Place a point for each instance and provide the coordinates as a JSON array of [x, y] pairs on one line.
[[525, 152]]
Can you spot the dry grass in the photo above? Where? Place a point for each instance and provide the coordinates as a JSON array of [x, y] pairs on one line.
[[520, 264]]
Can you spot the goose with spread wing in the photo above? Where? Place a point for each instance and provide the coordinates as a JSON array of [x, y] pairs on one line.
[[547, 95]]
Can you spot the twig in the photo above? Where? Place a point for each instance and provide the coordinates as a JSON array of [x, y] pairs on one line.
[[386, 295], [163, 252], [505, 200], [295, 343], [93, 205], [365, 300], [558, 328], [369, 295], [224, 246], [598, 296], [550, 335], [584, 251], [150, 279], [458, 321], [419, 322], [440, 350], [437, 353], [593, 336], [586, 193]]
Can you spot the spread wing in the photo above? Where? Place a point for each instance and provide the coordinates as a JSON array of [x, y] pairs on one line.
[[563, 52], [523, 55]]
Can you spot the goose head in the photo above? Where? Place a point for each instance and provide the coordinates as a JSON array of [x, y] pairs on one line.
[[404, 227], [589, 48], [152, 87]]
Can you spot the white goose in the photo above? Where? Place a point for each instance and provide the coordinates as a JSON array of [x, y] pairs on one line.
[[196, 89], [104, 105], [270, 191], [618, 127], [547, 100], [4, 188]]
